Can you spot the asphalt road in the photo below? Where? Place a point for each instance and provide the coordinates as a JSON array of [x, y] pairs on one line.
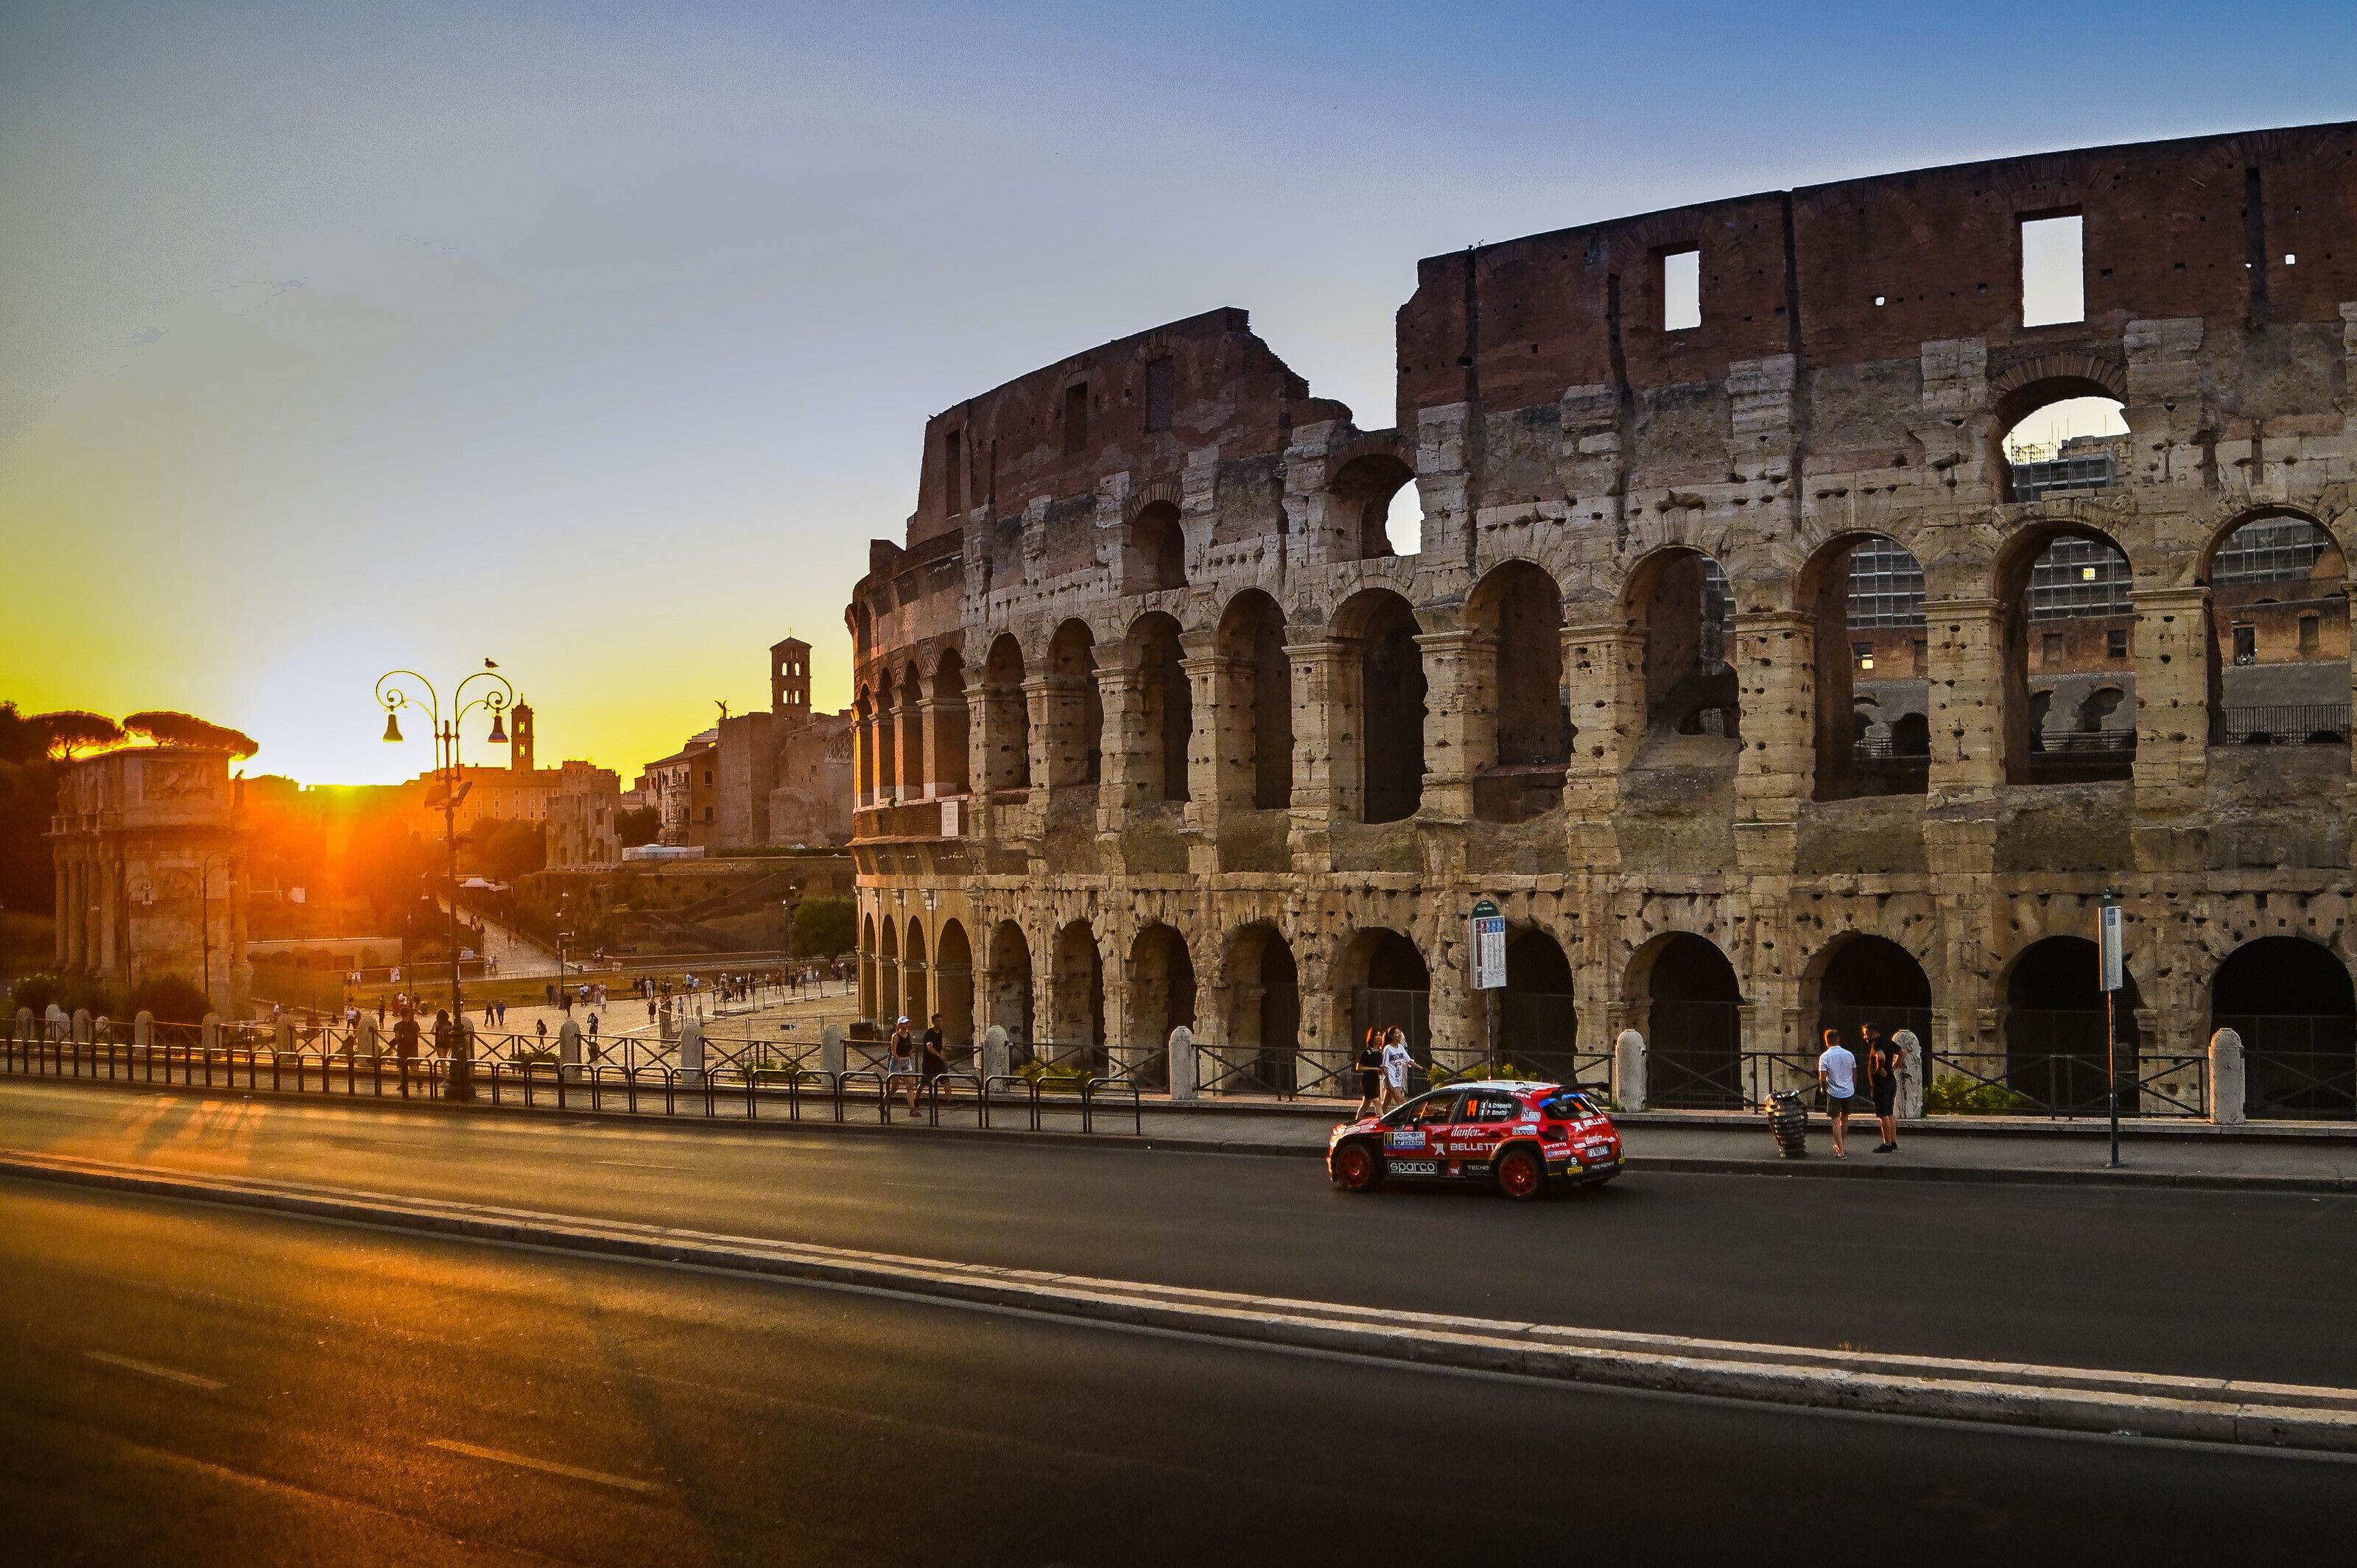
[[194, 1385], [2192, 1283]]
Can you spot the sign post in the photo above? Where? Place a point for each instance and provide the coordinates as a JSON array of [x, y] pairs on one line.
[[2107, 926], [1486, 941]]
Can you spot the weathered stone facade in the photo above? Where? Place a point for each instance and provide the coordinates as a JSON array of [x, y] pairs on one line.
[[1156, 727]]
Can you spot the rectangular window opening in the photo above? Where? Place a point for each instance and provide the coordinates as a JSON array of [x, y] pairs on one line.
[[2053, 271], [1076, 420], [1681, 290], [2115, 643], [953, 451], [2052, 650], [2310, 630], [1161, 393]]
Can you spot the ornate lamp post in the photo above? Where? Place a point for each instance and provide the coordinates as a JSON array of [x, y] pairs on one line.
[[461, 1083]]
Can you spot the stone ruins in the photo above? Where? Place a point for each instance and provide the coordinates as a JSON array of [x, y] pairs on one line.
[[1704, 609]]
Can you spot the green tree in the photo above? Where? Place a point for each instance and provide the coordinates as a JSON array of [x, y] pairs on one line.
[[169, 728], [172, 998], [644, 825], [824, 926], [507, 849]]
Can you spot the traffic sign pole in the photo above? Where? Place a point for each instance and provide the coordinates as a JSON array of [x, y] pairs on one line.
[[2108, 925]]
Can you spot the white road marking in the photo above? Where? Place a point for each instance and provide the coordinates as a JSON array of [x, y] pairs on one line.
[[530, 1464], [641, 1165], [154, 1371]]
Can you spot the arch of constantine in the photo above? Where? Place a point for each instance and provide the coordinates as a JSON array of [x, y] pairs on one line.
[[1702, 604]]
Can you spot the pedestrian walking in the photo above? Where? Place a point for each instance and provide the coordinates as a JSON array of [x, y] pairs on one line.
[[934, 1059], [442, 1031], [404, 1039], [903, 1052], [1837, 1075], [1371, 1075], [1882, 1082], [503, 1014], [1396, 1061]]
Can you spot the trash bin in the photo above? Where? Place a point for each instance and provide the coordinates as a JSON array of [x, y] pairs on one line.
[[1787, 1118]]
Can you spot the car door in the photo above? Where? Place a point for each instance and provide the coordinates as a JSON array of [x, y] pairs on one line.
[[1482, 1123], [1415, 1134]]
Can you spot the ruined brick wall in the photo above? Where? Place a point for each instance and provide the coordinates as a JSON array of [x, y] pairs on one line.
[[1860, 357]]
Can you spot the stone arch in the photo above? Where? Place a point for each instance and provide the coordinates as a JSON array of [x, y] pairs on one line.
[[2022, 390], [1075, 709], [2054, 1040], [1538, 1025], [1011, 991], [1679, 602], [1161, 997], [2065, 584], [1515, 614], [1858, 978], [1155, 555], [1380, 978], [1381, 689], [2278, 645], [954, 985], [887, 972], [1866, 593], [952, 765], [913, 774], [1076, 997], [916, 977], [2291, 1002], [1264, 1009], [1162, 720], [887, 749], [1362, 492], [1256, 700], [1007, 714], [864, 760], [1684, 998], [870, 996]]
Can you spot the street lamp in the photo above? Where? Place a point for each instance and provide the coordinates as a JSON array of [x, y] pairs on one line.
[[461, 1085]]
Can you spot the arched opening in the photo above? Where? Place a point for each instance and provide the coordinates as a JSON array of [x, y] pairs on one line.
[[1258, 677], [2055, 1041], [953, 986], [1008, 766], [1538, 1028], [1161, 998], [1517, 611], [1693, 1024], [1157, 550], [2058, 433], [1075, 712], [1010, 982], [864, 705], [887, 974], [1390, 986], [1873, 687], [2279, 613], [1680, 602], [1388, 664], [1076, 998], [2070, 633], [1869, 980], [950, 727], [1165, 719], [2291, 1002], [1378, 508], [887, 749], [915, 987], [913, 778], [871, 996], [1264, 1010]]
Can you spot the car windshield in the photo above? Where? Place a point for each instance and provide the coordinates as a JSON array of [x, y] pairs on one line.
[[1429, 1110]]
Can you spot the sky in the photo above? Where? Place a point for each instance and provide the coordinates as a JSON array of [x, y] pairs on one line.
[[598, 339]]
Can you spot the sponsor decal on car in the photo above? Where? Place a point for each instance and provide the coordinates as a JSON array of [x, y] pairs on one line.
[[1405, 1138], [1414, 1167]]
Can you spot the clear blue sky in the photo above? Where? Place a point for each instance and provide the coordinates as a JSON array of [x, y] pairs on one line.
[[599, 339]]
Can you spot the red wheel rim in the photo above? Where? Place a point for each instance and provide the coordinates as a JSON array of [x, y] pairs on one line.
[[1521, 1176], [1354, 1165]]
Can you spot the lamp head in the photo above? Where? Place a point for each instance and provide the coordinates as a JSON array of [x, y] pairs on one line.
[[498, 736], [392, 726]]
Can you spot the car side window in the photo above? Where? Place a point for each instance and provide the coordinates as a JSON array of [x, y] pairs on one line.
[[1438, 1109], [1569, 1108], [1491, 1108]]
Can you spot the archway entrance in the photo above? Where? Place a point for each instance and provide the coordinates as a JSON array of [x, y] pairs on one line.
[[2279, 657], [1872, 980], [1873, 687], [1164, 720], [2291, 1002], [888, 975], [953, 986], [1078, 999], [1390, 987], [1518, 610], [1538, 1028], [2070, 662], [914, 977], [1694, 1025], [1010, 982], [1683, 604], [1264, 1012], [2054, 1043], [1161, 998], [1391, 693]]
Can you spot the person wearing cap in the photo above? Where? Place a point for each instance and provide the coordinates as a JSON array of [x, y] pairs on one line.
[[904, 1052]]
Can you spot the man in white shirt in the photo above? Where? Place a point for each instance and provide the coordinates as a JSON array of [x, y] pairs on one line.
[[1837, 1074]]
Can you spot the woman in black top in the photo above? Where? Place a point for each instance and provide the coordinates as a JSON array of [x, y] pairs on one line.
[[1882, 1079], [1371, 1075]]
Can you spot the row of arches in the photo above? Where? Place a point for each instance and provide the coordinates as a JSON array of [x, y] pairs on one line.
[[2290, 999], [2277, 657]]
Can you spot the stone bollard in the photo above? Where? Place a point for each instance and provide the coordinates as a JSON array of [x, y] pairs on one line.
[[81, 1033], [210, 1031], [282, 1037], [143, 1030], [690, 1055], [568, 1050], [58, 1027], [831, 1050], [997, 1056], [1183, 1075], [1629, 1070], [22, 1031], [2226, 1091], [367, 1042], [1911, 1075], [101, 1029]]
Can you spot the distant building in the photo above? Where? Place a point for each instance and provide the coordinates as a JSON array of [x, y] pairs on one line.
[[576, 801], [758, 779]]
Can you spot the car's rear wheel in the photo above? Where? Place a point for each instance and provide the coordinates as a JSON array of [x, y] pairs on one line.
[[1521, 1174], [1357, 1166]]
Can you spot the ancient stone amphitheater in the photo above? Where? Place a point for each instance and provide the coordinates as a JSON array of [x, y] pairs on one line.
[[1706, 608]]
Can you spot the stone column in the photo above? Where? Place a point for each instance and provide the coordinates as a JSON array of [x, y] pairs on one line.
[[1327, 679], [1219, 758], [1127, 775], [1460, 718], [2228, 1093], [1604, 676], [143, 1030], [943, 719], [1774, 654], [1046, 701], [1967, 662]]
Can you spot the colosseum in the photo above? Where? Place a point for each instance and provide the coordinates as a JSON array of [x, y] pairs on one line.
[[1707, 607]]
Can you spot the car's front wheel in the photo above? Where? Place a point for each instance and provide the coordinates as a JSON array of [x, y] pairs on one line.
[[1521, 1174], [1357, 1167]]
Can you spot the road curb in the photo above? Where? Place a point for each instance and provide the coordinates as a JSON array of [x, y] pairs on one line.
[[1995, 1393]]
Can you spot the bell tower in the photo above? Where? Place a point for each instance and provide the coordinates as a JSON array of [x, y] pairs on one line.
[[790, 679], [520, 738]]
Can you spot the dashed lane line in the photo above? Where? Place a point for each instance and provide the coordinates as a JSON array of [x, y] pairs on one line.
[[154, 1371], [502, 1455]]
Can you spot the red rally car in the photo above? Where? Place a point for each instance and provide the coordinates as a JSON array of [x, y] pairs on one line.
[[1525, 1136]]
